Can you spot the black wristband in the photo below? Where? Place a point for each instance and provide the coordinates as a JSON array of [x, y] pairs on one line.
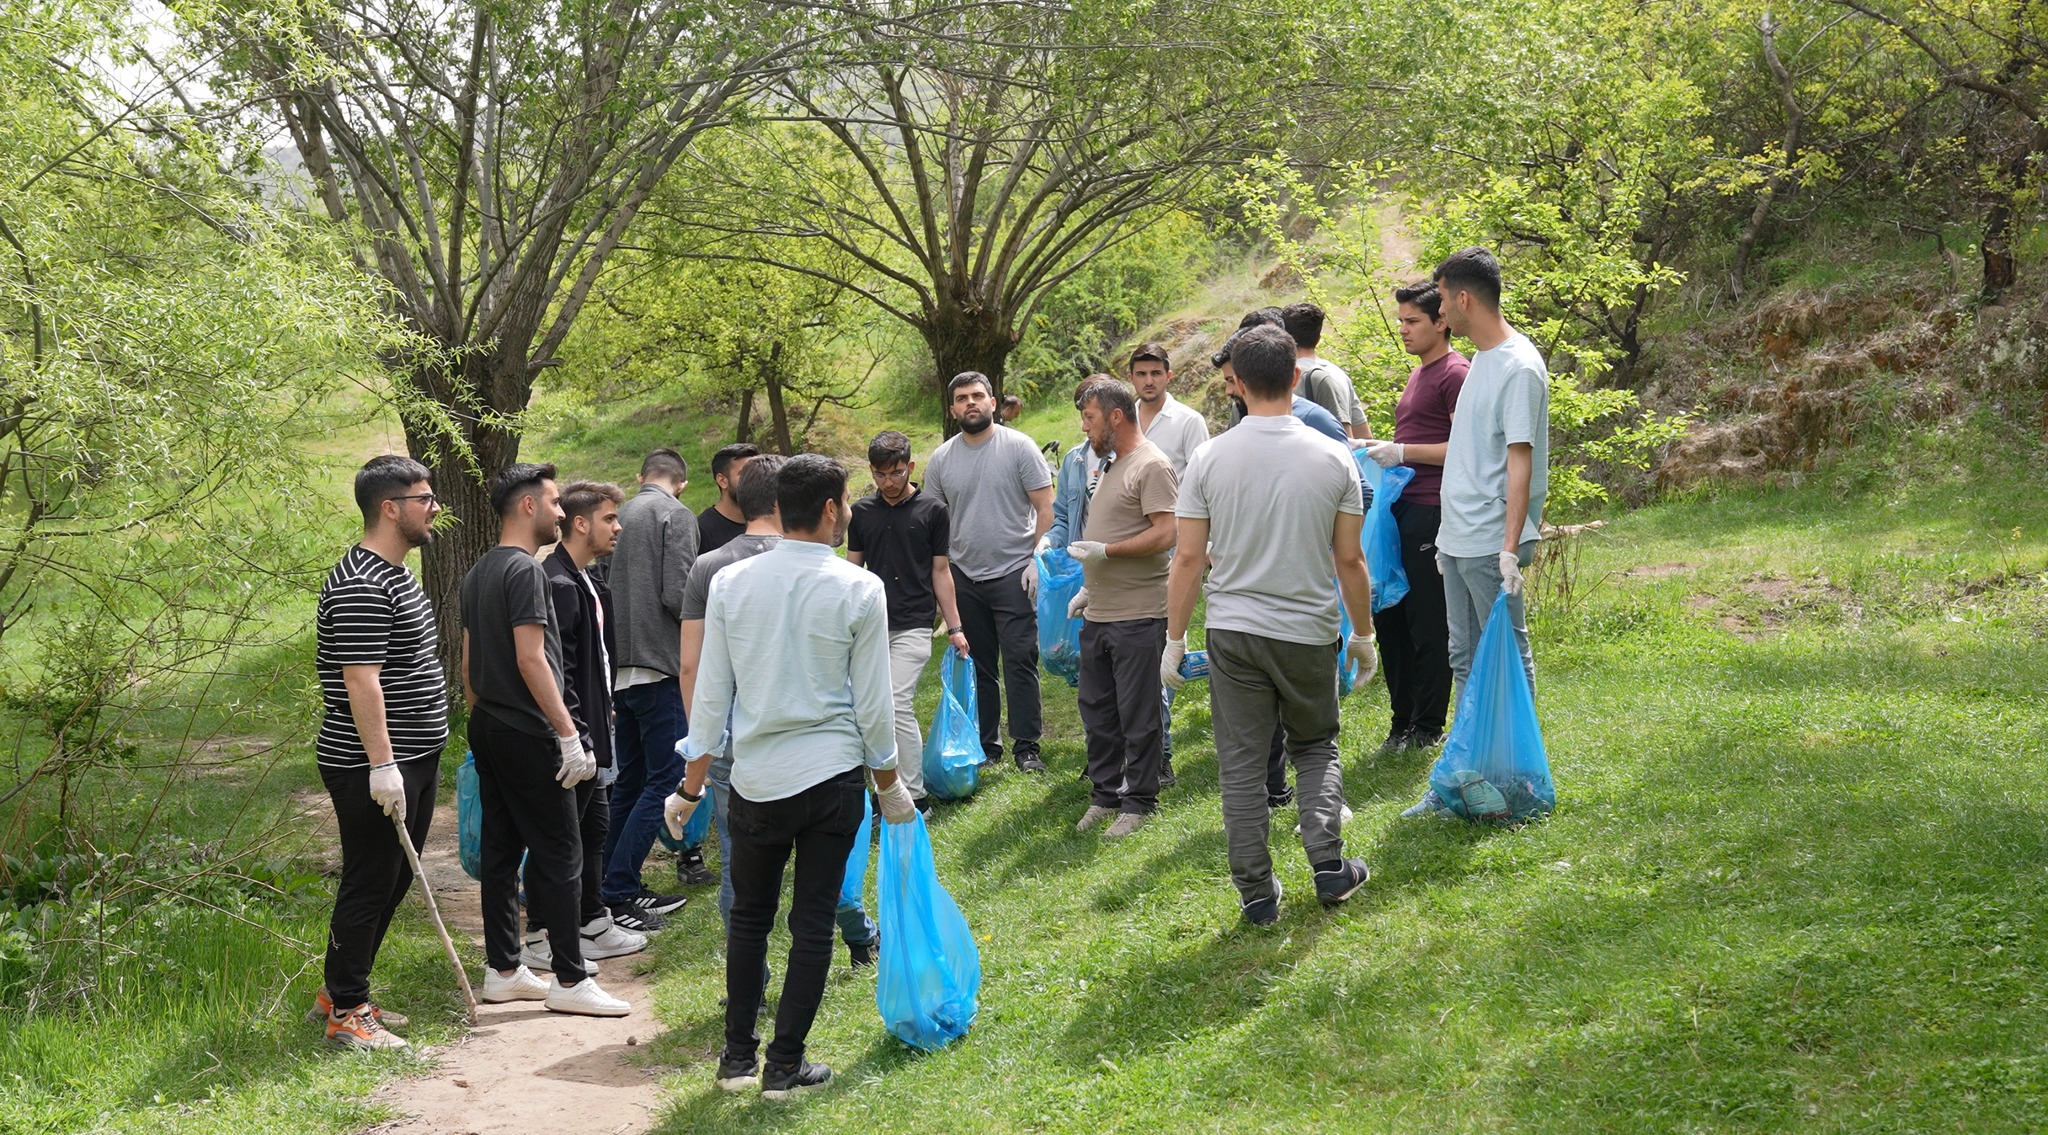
[[686, 794], [954, 630]]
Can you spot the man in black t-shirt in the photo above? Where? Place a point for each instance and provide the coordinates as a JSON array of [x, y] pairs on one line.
[[529, 755], [722, 519], [380, 743], [902, 534]]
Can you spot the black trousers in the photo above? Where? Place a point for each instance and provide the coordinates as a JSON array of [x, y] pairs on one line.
[[1122, 713], [818, 825], [593, 804], [1415, 636], [1002, 630], [374, 872], [526, 811]]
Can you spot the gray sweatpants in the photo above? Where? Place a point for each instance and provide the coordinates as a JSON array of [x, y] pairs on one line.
[[1471, 583], [1254, 682]]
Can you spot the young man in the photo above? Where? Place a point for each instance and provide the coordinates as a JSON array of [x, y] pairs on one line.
[[796, 648], [529, 755], [1122, 603], [722, 520], [1172, 425], [590, 527], [1414, 635], [998, 494], [1322, 381], [1497, 465], [1271, 504], [902, 535], [657, 545], [380, 742]]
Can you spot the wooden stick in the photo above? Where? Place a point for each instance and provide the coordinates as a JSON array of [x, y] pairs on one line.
[[454, 959]]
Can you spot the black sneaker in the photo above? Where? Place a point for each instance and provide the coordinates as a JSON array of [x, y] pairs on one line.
[[1280, 800], [1266, 911], [690, 869], [1029, 761], [924, 804], [653, 902], [1166, 777], [781, 1081], [1339, 879], [1395, 743], [1420, 740], [738, 1073], [865, 955], [627, 916], [990, 760]]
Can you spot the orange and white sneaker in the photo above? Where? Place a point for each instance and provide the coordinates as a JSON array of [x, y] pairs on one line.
[[358, 1028], [323, 1008]]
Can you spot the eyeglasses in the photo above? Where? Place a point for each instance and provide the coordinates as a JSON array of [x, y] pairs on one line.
[[431, 500]]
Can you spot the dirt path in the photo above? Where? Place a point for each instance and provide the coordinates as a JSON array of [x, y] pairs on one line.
[[524, 1069]]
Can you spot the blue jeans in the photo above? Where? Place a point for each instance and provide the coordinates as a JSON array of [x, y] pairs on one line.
[[855, 927], [650, 722], [1471, 584]]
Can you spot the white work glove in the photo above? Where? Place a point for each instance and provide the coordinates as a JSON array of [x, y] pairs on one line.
[[1386, 454], [387, 788], [1169, 663], [1079, 606], [1031, 584], [675, 811], [1511, 572], [578, 763], [1044, 546], [895, 803], [1088, 550], [1360, 648]]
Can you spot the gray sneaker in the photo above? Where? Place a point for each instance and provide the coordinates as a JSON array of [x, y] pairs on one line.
[[1095, 814], [1430, 804], [1125, 824]]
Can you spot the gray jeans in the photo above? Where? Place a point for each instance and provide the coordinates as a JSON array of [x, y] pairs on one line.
[[1471, 583], [1254, 682]]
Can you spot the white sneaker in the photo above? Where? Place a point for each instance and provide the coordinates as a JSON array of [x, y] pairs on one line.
[[602, 938], [1095, 814], [523, 985], [584, 999], [1343, 818], [537, 955]]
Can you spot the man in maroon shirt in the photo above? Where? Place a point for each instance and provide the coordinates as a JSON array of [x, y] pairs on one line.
[[1415, 633]]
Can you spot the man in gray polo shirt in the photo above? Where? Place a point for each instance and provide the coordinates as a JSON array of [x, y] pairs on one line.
[[998, 495], [1273, 502], [1497, 465]]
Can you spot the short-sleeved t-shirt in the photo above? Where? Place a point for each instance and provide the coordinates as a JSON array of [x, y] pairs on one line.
[[1505, 401], [697, 592], [1327, 385], [714, 530], [986, 490], [508, 588], [1271, 489], [898, 543], [373, 613], [1423, 417], [1122, 588]]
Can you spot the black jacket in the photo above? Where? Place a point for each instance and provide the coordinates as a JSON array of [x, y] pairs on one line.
[[587, 680]]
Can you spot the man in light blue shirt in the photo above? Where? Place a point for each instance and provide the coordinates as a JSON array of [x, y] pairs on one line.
[[796, 647]]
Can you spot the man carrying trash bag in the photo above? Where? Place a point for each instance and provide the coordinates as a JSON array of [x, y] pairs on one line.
[[796, 647]]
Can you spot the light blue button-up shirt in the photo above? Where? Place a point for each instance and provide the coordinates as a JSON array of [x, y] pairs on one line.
[[796, 647]]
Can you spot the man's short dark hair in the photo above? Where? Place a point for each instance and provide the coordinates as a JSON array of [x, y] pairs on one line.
[[727, 454], [1010, 400], [1081, 387], [581, 498], [1110, 394], [889, 448], [1269, 316], [1153, 351], [664, 465], [804, 486], [382, 478], [755, 492], [515, 481], [1304, 321], [1472, 270], [1263, 358], [968, 378], [1425, 296]]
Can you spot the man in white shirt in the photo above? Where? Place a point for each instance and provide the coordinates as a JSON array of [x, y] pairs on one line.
[[1172, 425], [796, 647]]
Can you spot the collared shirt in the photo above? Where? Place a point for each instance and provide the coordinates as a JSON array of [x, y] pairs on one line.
[[796, 647], [898, 543], [1177, 429]]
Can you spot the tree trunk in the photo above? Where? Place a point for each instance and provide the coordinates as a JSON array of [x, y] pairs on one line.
[[1782, 181], [778, 413], [962, 340], [745, 432]]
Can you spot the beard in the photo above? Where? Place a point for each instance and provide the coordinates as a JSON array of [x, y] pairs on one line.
[[420, 537], [1102, 446], [975, 423]]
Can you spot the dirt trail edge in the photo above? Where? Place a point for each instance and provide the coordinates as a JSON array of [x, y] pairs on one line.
[[524, 1069]]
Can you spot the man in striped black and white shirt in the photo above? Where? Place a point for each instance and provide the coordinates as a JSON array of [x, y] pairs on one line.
[[379, 748]]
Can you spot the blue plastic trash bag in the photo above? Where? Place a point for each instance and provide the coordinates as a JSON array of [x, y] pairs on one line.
[[952, 749], [1381, 535], [856, 880], [1493, 766], [1059, 634], [694, 830], [928, 979], [1347, 670], [469, 818]]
